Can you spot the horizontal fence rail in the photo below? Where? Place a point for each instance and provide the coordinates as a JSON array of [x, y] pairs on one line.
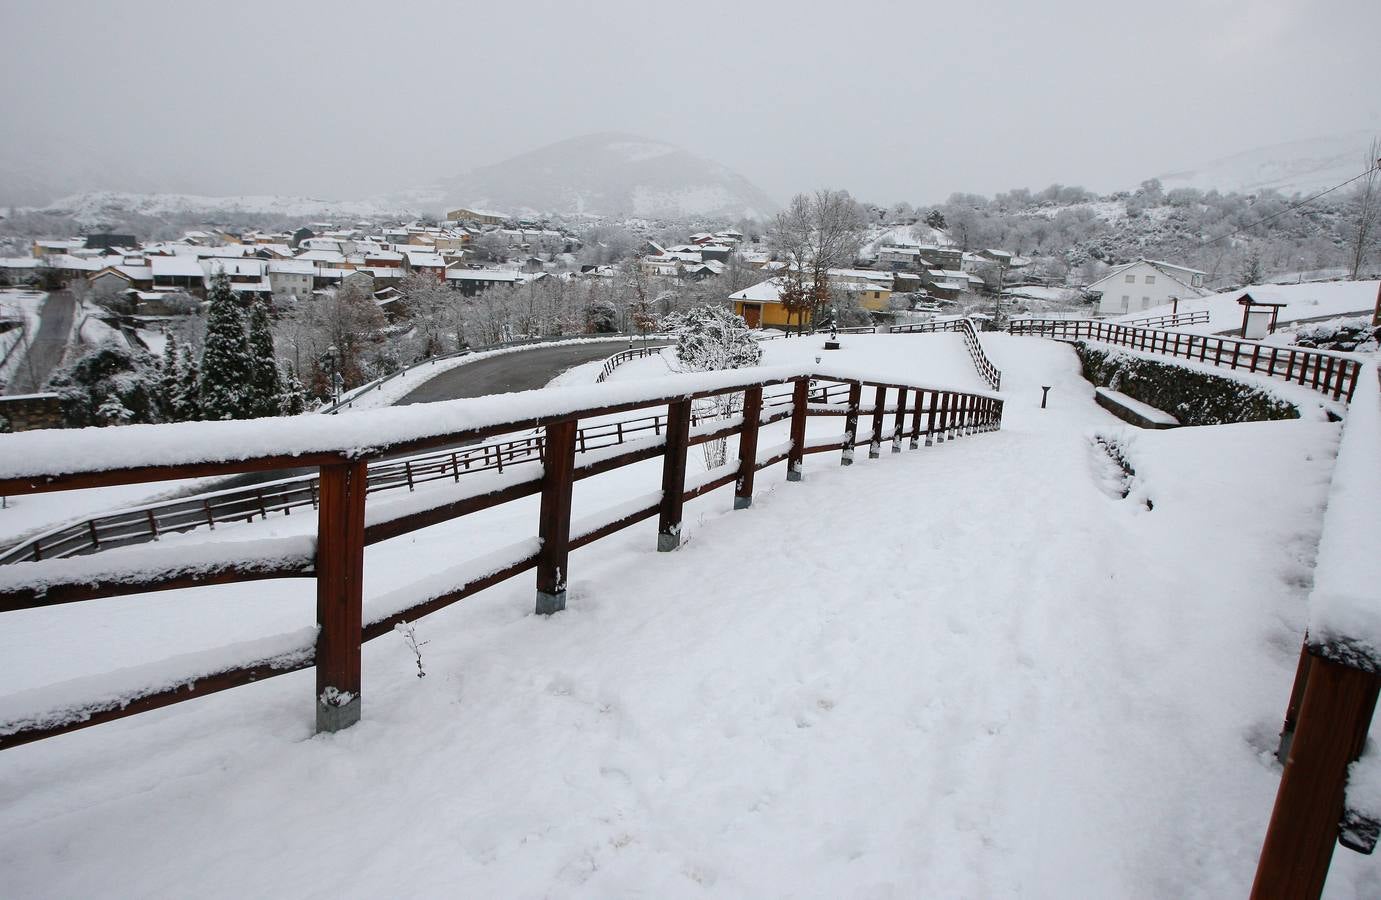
[[147, 523], [895, 413], [1331, 374]]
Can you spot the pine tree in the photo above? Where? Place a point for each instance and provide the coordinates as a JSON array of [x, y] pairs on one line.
[[265, 385], [293, 399], [169, 374], [186, 402], [226, 368]]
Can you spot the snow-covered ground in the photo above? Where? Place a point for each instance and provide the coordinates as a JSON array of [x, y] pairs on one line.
[[1304, 301], [970, 670]]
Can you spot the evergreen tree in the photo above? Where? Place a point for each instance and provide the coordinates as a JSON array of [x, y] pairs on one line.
[[223, 388], [169, 377], [186, 402], [293, 399], [265, 385]]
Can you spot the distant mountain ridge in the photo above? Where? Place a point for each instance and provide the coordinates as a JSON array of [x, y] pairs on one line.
[[1304, 166], [611, 174]]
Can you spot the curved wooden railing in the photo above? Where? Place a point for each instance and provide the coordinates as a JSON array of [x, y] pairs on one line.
[[624, 356], [1329, 373], [990, 373], [336, 557]]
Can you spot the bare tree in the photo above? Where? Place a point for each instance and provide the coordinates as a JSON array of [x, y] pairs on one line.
[[817, 233], [1366, 210]]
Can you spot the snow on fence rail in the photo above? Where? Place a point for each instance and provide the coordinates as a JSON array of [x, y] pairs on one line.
[[1329, 373], [1327, 790], [341, 447], [146, 523]]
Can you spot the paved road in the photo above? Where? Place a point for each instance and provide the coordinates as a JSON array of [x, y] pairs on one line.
[[47, 348], [520, 371]]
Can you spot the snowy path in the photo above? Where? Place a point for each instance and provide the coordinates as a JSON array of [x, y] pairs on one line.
[[971, 670]]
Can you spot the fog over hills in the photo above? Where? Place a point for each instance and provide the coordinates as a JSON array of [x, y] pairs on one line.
[[1303, 166], [611, 174]]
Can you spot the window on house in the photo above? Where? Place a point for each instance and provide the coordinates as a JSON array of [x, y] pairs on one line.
[[1130, 279], [1145, 302], [1150, 279], [1125, 301]]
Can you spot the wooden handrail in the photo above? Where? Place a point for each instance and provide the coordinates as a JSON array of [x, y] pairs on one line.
[[1329, 373], [343, 532]]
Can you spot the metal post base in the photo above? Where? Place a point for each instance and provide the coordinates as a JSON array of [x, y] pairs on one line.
[[794, 474], [743, 502], [331, 718], [668, 542], [550, 603]]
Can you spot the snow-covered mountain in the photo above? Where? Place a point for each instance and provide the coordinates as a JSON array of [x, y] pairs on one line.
[[1303, 166], [615, 175], [103, 207]]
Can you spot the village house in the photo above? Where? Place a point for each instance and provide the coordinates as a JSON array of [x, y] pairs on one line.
[[477, 216], [472, 281], [291, 279], [1140, 285]]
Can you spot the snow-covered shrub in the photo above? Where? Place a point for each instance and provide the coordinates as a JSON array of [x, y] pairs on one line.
[[708, 339], [109, 385], [1190, 395], [1346, 335]]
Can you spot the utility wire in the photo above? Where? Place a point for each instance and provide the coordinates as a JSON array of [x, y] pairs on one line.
[[1291, 208]]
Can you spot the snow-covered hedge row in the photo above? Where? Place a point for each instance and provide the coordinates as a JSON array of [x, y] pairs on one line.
[[1344, 335], [1193, 396]]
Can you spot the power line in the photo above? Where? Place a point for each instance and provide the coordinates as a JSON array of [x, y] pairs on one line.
[[1293, 207]]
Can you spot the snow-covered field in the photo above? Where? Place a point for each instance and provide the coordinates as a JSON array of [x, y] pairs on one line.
[[1304, 301], [970, 670]]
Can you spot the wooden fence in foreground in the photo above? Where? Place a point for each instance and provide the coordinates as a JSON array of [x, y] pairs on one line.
[[342, 532], [1331, 374]]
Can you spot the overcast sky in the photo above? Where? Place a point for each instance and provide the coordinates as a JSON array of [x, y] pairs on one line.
[[893, 101]]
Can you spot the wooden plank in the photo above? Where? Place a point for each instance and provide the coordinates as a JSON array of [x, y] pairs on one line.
[[554, 518], [1333, 720], [795, 467], [57, 594], [748, 448], [673, 475], [14, 487], [339, 595], [391, 528], [191, 690]]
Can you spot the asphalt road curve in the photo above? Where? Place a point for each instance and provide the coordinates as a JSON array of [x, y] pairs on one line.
[[520, 371], [48, 346]]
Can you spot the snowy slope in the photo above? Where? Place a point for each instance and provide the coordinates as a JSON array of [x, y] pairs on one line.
[[1304, 166], [972, 670], [612, 174], [1303, 301]]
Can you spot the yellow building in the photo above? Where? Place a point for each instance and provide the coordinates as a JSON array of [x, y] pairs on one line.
[[761, 305]]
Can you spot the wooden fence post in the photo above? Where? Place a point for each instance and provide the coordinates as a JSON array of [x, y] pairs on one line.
[[674, 475], [916, 419], [339, 593], [748, 447], [899, 420], [1333, 721], [851, 424], [879, 410], [930, 418], [795, 457], [943, 425], [554, 517]]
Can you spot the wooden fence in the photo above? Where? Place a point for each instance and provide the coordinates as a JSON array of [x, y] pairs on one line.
[[142, 524], [624, 356], [342, 533], [1331, 374], [986, 370]]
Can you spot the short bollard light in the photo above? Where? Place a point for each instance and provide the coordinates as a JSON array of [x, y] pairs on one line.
[[1045, 392]]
